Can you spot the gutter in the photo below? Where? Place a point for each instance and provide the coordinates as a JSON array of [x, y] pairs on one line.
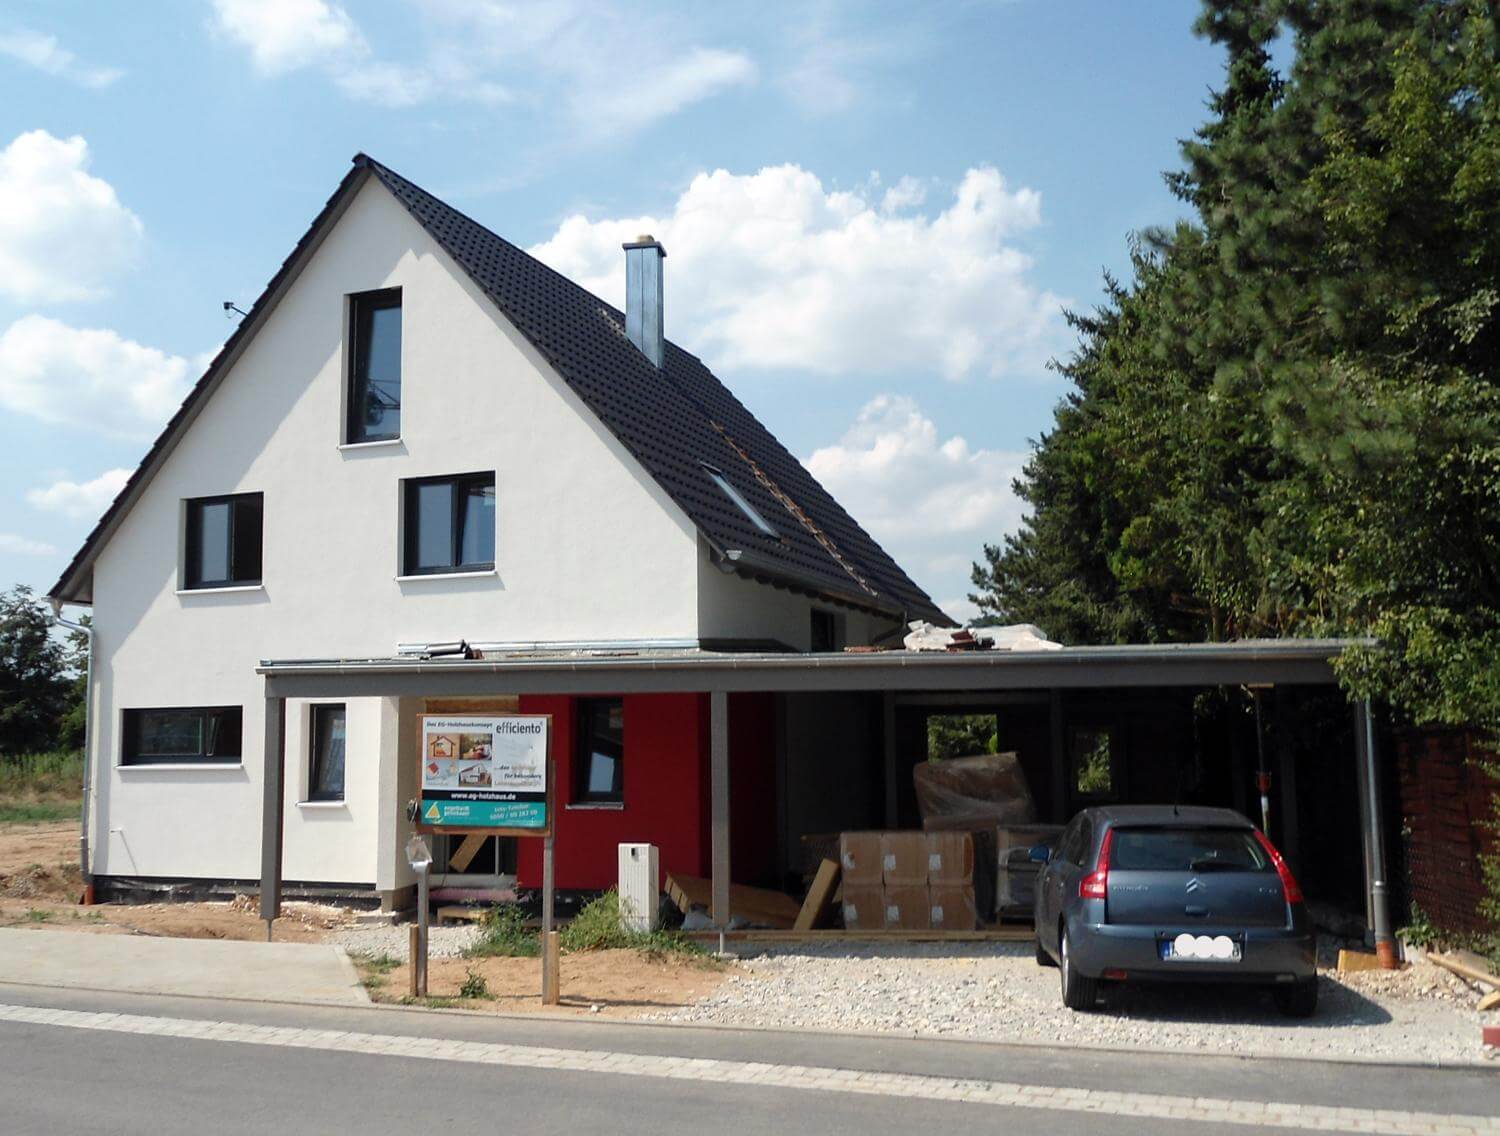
[[88, 750]]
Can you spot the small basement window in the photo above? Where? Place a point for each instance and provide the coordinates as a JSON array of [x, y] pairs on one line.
[[744, 506], [450, 524], [223, 541], [326, 768], [599, 762], [209, 735], [374, 395]]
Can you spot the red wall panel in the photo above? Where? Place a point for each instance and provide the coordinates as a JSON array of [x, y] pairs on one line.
[[665, 788]]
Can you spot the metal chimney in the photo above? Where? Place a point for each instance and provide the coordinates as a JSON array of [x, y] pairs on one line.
[[643, 297]]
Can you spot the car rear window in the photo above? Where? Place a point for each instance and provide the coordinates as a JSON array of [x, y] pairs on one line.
[[1187, 850]]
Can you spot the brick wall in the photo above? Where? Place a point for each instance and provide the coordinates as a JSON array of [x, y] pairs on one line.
[[1446, 800]]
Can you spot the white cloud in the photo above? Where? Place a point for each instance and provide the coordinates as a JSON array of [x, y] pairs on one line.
[[63, 232], [661, 92], [43, 52], [10, 542], [82, 499], [89, 377], [931, 502], [285, 35], [772, 270], [564, 55]]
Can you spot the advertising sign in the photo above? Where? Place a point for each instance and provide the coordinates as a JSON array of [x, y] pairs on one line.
[[489, 774]]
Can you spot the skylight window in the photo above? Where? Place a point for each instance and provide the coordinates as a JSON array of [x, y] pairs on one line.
[[738, 498]]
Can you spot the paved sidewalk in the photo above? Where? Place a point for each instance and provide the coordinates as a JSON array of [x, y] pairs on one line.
[[202, 968]]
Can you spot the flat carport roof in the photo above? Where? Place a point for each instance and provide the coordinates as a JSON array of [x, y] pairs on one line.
[[1297, 661], [719, 674]]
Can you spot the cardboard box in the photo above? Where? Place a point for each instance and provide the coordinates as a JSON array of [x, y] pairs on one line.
[[864, 908], [903, 859], [907, 908], [859, 857], [952, 908], [950, 858]]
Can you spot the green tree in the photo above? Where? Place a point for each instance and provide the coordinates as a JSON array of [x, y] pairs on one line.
[[1288, 421], [35, 676]]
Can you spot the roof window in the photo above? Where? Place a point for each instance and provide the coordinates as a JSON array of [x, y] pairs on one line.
[[738, 498]]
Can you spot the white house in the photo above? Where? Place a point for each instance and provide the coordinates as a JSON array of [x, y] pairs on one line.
[[421, 434]]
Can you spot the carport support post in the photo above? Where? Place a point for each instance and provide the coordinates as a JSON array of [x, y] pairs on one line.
[[273, 772], [1373, 832], [718, 776]]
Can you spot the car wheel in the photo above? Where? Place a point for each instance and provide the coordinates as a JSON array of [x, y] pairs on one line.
[[1042, 957], [1078, 992], [1299, 1000]]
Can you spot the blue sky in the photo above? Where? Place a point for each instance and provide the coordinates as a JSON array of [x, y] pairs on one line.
[[874, 214]]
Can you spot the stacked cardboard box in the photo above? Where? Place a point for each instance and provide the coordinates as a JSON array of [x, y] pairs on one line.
[[908, 881]]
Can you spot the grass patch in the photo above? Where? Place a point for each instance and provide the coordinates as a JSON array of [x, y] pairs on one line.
[[37, 812], [37, 915], [38, 787], [503, 934], [597, 927]]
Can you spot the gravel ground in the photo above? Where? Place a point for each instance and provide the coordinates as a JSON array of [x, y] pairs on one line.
[[442, 942], [998, 992]]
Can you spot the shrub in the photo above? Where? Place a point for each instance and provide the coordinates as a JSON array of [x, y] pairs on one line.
[[503, 933], [597, 927], [474, 985]]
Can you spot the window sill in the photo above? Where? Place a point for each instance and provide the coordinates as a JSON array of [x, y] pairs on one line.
[[322, 804], [480, 575], [387, 442], [228, 589], [596, 806], [179, 766]]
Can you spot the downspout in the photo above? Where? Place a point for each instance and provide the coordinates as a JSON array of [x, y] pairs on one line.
[[1374, 835], [88, 752]]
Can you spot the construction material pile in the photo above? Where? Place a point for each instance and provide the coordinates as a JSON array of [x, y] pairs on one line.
[[908, 881]]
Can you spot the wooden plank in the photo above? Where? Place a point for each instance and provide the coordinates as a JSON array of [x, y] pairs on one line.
[[1490, 1001], [1350, 961], [461, 856], [755, 905], [460, 913], [504, 705], [1464, 970], [819, 896]]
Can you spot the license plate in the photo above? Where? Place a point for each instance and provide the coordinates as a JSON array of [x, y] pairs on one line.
[[1201, 948]]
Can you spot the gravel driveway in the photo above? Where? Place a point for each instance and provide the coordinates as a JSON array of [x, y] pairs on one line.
[[998, 992], [392, 942]]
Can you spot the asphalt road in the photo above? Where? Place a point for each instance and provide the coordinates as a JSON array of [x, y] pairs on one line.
[[89, 1075]]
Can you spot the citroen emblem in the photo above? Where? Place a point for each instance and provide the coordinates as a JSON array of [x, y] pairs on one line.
[[1194, 884]]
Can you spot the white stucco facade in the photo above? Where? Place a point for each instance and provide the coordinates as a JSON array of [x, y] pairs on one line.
[[588, 549]]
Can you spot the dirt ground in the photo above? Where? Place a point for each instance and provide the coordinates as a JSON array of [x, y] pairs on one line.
[[40, 887], [615, 983]]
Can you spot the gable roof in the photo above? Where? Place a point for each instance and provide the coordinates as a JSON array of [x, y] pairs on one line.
[[675, 421]]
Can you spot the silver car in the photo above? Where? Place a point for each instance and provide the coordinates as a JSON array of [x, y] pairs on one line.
[[1140, 893]]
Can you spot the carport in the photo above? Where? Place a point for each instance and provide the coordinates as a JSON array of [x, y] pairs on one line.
[[894, 684]]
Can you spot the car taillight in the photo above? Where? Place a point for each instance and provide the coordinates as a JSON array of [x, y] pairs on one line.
[[1288, 881], [1095, 885]]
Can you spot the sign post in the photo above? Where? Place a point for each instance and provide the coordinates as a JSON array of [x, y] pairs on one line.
[[491, 775], [420, 858]]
